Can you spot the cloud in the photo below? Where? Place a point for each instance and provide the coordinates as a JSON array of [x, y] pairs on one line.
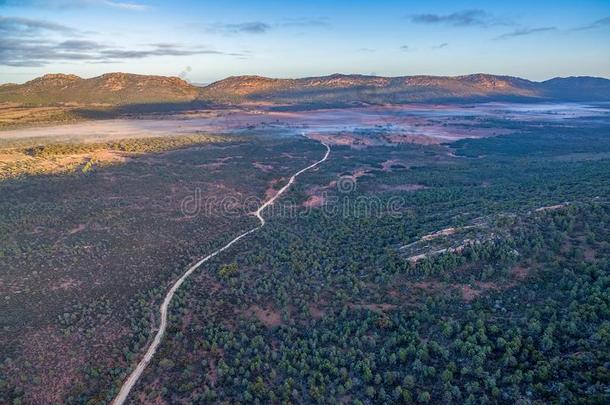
[[25, 26], [79, 45], [34, 43], [261, 27], [406, 48], [305, 22], [252, 27], [67, 4], [524, 31], [35, 54], [164, 45], [604, 22], [127, 6], [158, 51], [464, 18], [441, 46], [366, 50]]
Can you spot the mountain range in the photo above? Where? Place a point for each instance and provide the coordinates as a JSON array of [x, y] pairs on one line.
[[120, 89]]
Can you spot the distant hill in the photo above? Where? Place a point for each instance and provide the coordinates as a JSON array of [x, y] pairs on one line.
[[367, 89], [108, 89], [119, 89], [408, 89], [577, 88]]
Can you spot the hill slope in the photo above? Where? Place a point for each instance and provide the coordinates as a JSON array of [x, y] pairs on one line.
[[110, 89], [577, 88], [368, 89], [372, 89], [117, 89]]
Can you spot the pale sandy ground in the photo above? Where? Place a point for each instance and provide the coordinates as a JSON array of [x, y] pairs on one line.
[[442, 122]]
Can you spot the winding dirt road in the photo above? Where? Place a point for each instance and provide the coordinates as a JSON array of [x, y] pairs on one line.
[[152, 349]]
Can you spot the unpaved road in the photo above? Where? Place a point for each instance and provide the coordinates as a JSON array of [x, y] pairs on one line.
[[152, 349]]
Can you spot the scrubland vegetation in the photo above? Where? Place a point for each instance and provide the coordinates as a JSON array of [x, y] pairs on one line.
[[19, 116], [507, 302], [328, 308], [29, 156], [138, 145], [86, 257]]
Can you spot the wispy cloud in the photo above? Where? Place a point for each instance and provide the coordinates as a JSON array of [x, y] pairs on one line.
[[441, 46], [127, 6], [27, 26], [305, 22], [251, 27], [67, 4], [27, 42], [524, 31], [604, 22], [27, 52], [155, 51], [79, 45], [263, 27], [406, 48], [19, 52], [464, 18], [366, 50]]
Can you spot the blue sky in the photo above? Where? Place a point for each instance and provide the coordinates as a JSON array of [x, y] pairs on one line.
[[204, 41]]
